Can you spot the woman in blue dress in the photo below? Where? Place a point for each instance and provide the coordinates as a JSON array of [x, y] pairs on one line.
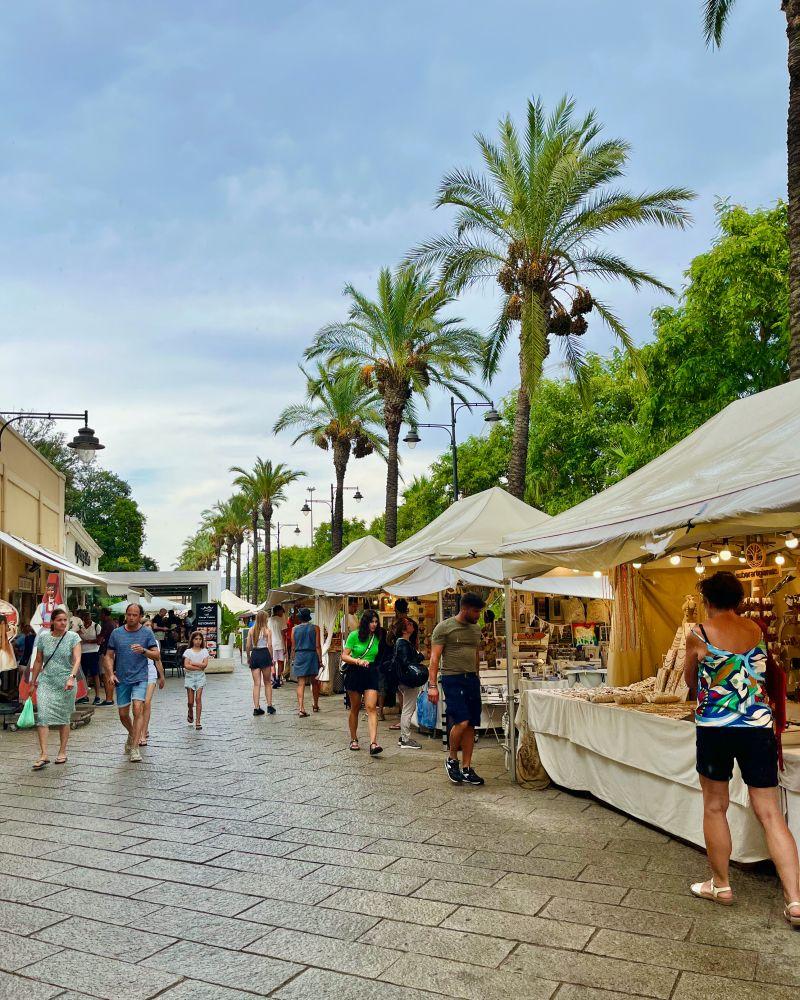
[[55, 669], [307, 660]]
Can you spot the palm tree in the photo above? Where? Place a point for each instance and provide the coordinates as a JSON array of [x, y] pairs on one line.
[[716, 14], [233, 520], [197, 552], [403, 346], [264, 486], [341, 413], [534, 223]]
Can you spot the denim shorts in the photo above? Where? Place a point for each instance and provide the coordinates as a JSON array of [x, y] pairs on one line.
[[754, 750], [462, 698], [194, 680], [126, 693]]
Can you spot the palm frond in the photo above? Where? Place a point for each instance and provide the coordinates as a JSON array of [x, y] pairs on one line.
[[715, 16]]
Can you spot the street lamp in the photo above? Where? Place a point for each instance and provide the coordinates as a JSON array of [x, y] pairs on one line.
[[412, 439], [308, 507], [278, 527], [85, 444]]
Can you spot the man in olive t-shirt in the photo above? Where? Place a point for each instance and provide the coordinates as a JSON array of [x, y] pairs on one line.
[[455, 645]]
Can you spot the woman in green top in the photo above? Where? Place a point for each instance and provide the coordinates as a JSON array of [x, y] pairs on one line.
[[362, 680]]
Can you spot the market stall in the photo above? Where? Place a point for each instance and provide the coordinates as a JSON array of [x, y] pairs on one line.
[[721, 499]]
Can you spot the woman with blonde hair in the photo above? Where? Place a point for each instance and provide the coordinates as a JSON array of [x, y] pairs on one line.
[[259, 658]]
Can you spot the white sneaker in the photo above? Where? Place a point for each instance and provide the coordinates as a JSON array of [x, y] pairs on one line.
[[136, 757], [128, 745]]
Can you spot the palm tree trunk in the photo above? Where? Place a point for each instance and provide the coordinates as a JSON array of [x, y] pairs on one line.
[[341, 456], [254, 573], [394, 421], [518, 461], [238, 568], [218, 555], [792, 10], [266, 513], [228, 561]]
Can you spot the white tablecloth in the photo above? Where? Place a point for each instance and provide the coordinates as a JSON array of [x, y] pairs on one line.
[[645, 765]]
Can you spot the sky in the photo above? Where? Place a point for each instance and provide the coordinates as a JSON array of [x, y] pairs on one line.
[[187, 186]]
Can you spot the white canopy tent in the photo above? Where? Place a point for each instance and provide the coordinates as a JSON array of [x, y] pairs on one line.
[[150, 607], [236, 604], [460, 533], [737, 474]]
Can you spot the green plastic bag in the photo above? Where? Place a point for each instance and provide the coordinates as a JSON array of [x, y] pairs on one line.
[[26, 719]]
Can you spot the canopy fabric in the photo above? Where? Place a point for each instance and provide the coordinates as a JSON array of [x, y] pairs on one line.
[[431, 578], [362, 550], [39, 554], [151, 606], [236, 604], [737, 474], [465, 529]]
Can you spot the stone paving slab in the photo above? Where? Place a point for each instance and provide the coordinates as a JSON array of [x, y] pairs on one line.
[[267, 860]]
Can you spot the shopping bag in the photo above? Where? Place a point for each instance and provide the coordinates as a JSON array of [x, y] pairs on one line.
[[427, 712], [26, 719]]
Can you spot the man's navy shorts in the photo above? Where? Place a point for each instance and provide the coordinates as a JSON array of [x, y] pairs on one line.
[[462, 698]]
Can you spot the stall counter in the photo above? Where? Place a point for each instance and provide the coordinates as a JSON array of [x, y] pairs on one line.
[[644, 765]]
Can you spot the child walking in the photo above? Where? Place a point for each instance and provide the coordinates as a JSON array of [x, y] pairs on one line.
[[195, 661]]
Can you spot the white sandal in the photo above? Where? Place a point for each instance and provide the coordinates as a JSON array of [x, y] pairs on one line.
[[792, 918], [714, 895]]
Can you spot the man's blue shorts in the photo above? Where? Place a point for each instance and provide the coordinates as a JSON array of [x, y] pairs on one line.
[[126, 693], [462, 698]]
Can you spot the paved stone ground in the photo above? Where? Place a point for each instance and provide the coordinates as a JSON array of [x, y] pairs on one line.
[[262, 857]]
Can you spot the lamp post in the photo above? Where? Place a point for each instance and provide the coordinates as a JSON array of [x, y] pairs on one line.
[[308, 506], [412, 439], [278, 527], [84, 444]]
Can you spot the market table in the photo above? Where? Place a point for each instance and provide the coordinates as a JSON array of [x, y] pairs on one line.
[[644, 765]]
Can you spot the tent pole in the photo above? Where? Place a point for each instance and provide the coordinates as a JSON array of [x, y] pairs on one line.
[[512, 726]]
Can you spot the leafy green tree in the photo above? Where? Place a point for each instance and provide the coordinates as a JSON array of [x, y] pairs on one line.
[[716, 14], [403, 345], [729, 335], [340, 414], [104, 505], [264, 486], [535, 222]]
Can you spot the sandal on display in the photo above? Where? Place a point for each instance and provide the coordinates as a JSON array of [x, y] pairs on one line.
[[699, 889]]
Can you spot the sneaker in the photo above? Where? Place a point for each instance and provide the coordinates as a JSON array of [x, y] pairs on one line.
[[453, 770], [136, 757], [82, 701], [128, 745], [258, 711], [98, 701], [470, 777], [408, 744], [271, 710], [106, 702]]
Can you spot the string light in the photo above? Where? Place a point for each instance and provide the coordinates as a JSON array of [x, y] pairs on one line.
[[742, 558], [725, 552], [597, 574], [780, 559], [715, 559], [792, 541], [699, 567], [675, 560], [637, 565]]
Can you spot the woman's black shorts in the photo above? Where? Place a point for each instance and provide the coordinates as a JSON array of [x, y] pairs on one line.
[[754, 750], [260, 659], [361, 679]]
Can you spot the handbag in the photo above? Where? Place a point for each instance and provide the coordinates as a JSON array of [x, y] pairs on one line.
[[409, 673], [26, 719]]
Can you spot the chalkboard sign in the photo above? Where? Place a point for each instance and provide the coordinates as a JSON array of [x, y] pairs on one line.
[[206, 622]]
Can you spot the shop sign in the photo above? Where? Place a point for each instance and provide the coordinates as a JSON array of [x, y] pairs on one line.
[[206, 622], [25, 585], [757, 574], [82, 557]]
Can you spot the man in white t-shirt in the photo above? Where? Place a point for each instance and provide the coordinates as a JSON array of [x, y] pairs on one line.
[[352, 618], [90, 653], [277, 625]]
